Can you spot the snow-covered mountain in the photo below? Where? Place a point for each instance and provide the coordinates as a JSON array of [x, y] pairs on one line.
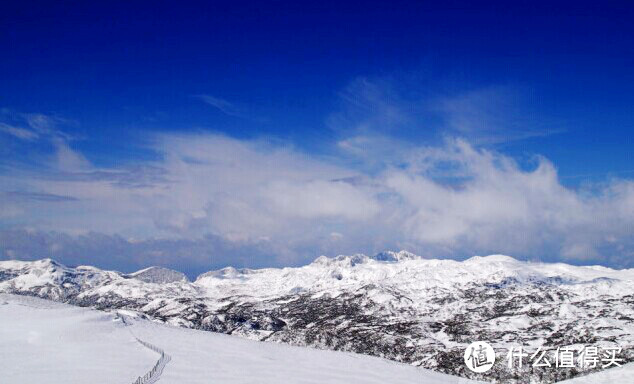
[[159, 275], [53, 343], [393, 305]]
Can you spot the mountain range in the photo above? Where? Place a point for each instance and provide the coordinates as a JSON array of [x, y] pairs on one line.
[[394, 305]]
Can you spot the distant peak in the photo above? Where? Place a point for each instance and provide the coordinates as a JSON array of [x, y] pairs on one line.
[[159, 275], [341, 260], [359, 258], [491, 259], [395, 256], [225, 273], [49, 261]]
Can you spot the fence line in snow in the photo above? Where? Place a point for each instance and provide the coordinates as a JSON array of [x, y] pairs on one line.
[[153, 375]]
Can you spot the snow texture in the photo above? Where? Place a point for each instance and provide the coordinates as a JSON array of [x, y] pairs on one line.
[[46, 342]]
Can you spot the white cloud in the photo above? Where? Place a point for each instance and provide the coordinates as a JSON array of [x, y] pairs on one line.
[[321, 199], [421, 111], [270, 203], [445, 201], [222, 105], [20, 133], [66, 158], [44, 124], [491, 115]]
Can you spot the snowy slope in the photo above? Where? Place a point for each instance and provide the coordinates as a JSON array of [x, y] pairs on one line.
[[46, 342], [393, 305]]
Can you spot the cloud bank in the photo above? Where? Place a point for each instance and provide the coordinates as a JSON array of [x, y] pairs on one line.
[[402, 170], [211, 200]]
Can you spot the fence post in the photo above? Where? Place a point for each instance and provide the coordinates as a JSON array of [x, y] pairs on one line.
[[157, 366]]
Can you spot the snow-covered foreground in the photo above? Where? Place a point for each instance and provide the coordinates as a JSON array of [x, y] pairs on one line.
[[47, 342]]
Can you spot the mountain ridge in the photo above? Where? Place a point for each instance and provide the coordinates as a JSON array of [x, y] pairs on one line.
[[395, 305]]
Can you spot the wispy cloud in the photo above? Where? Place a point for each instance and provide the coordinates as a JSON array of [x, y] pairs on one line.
[[223, 106], [45, 128], [20, 133], [492, 115], [40, 125], [67, 159], [372, 108], [47, 197]]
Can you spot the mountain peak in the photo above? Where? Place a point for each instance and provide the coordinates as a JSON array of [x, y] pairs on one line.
[[225, 273], [395, 256], [491, 259], [159, 275], [48, 262], [360, 258]]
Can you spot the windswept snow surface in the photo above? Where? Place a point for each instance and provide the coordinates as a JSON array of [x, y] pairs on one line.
[[394, 305], [47, 342]]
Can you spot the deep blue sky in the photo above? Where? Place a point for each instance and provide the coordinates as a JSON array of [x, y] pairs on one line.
[[268, 133], [118, 68]]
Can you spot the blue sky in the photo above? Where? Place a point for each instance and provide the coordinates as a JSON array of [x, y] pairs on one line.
[[113, 119]]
